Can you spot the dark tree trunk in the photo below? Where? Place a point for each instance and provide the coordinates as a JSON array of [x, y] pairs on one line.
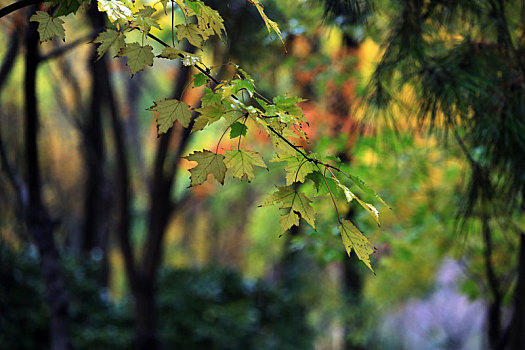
[[95, 228], [494, 308], [39, 223], [517, 330]]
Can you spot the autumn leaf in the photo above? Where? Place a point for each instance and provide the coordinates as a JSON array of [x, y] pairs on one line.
[[351, 196], [48, 26], [108, 39], [199, 79], [237, 129], [116, 10], [190, 32], [297, 202], [168, 112], [138, 56], [208, 163], [286, 221], [242, 161], [144, 19], [297, 168], [269, 23], [354, 239]]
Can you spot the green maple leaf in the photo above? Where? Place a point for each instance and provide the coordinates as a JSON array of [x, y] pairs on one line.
[[199, 79], [187, 58], [208, 163], [190, 32], [351, 196], [209, 21], [145, 21], [138, 56], [209, 115], [354, 239], [287, 109], [242, 161], [297, 202], [237, 129], [269, 23], [286, 221], [109, 38], [168, 112], [187, 11], [297, 169], [367, 189], [210, 98], [240, 84], [48, 26]]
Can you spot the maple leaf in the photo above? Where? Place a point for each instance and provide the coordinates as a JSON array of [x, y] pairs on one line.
[[351, 196], [187, 58], [144, 19], [186, 10], [199, 79], [109, 38], [354, 239], [295, 201], [190, 32], [237, 129], [116, 10], [269, 23], [209, 115], [367, 189], [168, 112], [48, 26], [138, 56], [208, 20], [242, 161], [208, 163], [286, 221], [297, 169]]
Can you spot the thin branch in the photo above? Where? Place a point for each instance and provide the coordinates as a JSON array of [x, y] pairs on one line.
[[10, 56], [17, 6], [14, 178], [206, 71], [65, 48]]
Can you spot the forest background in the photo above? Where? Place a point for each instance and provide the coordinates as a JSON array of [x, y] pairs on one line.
[[205, 267]]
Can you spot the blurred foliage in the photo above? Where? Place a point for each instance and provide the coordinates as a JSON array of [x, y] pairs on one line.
[[213, 308]]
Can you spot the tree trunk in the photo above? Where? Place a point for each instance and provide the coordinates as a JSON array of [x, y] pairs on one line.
[[39, 223], [517, 331], [95, 230]]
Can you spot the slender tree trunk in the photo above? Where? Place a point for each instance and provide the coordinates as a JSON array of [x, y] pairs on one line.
[[95, 211], [494, 308], [39, 223], [517, 331]]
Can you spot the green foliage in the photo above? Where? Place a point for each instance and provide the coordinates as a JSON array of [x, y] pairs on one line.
[[208, 163], [139, 56], [236, 100], [48, 27], [168, 112], [96, 323], [109, 39], [242, 161], [213, 309], [354, 239], [238, 129], [463, 61]]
